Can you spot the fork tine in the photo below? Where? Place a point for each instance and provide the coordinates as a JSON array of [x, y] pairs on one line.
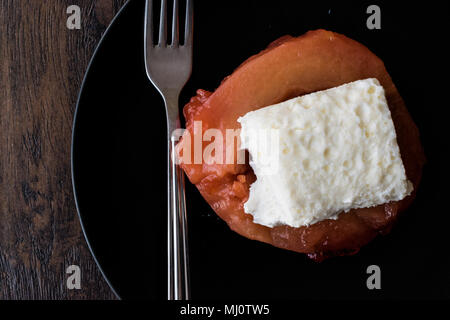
[[175, 29], [163, 23], [188, 30], [149, 23]]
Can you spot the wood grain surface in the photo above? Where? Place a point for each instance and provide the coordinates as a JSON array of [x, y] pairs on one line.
[[42, 64]]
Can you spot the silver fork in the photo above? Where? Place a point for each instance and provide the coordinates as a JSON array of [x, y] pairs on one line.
[[168, 67]]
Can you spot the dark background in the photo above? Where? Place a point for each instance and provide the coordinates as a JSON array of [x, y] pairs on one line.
[[119, 155], [42, 64]]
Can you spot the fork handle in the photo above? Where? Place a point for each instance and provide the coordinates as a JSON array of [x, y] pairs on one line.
[[178, 264]]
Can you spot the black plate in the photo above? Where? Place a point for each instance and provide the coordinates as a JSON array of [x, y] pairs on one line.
[[119, 161]]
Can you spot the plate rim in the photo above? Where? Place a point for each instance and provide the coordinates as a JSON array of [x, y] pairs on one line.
[[74, 125]]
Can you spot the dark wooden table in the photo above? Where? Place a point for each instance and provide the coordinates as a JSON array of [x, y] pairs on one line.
[[42, 64]]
